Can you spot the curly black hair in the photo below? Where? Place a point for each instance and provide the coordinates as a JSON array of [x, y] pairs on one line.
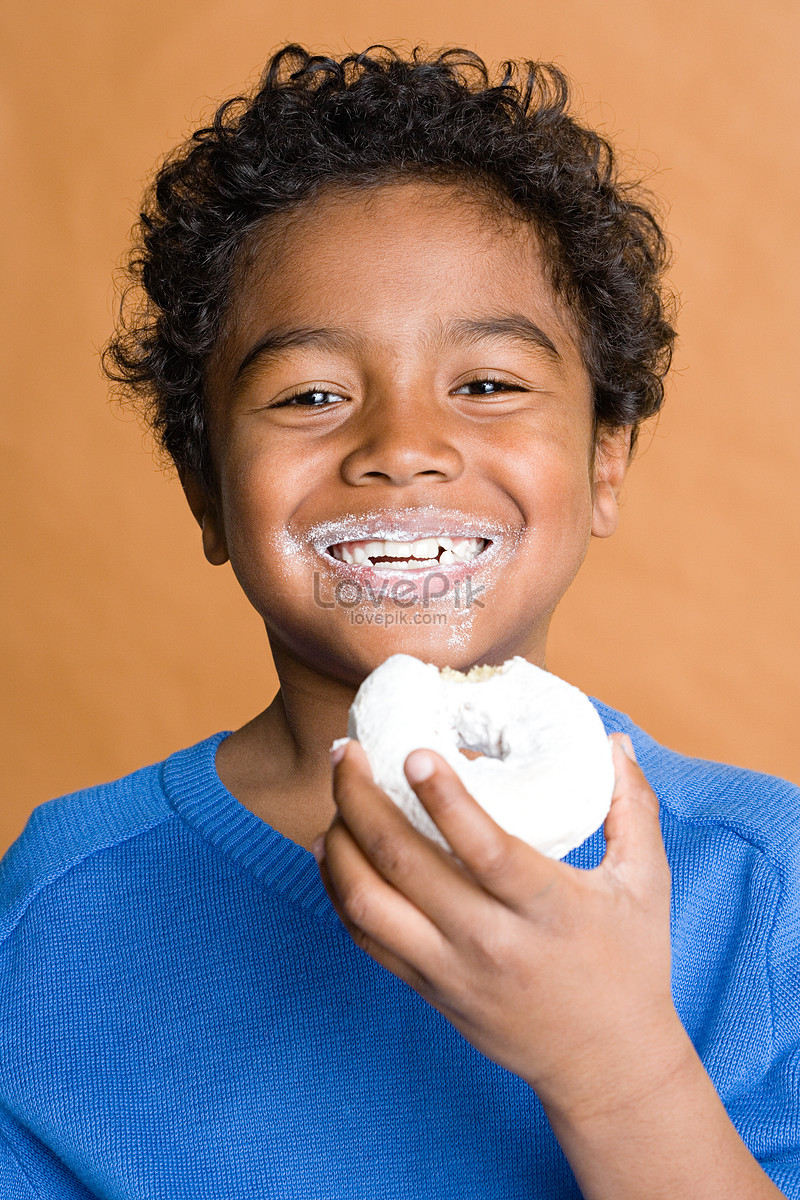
[[361, 120]]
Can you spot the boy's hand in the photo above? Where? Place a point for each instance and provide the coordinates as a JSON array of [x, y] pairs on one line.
[[561, 975]]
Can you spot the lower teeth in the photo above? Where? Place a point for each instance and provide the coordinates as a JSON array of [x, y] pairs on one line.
[[404, 562], [446, 558]]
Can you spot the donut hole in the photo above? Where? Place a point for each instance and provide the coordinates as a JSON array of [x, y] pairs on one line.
[[465, 750], [471, 753]]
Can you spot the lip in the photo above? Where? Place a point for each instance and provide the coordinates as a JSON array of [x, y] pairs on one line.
[[406, 525], [402, 525]]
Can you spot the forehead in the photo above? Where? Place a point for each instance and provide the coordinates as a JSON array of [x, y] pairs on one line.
[[392, 261]]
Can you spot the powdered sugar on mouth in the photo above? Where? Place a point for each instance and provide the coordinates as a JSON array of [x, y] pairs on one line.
[[461, 588], [404, 528]]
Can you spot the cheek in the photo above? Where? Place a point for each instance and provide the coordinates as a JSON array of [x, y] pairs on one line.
[[553, 483], [257, 501], [261, 479]]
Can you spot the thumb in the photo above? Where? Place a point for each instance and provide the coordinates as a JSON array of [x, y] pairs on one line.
[[634, 845]]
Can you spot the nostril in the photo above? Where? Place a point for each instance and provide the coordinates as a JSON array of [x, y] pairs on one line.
[[402, 477], [401, 461]]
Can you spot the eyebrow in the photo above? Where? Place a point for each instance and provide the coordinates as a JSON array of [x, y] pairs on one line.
[[278, 340], [511, 327]]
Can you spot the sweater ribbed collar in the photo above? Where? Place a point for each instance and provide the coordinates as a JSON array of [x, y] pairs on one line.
[[197, 794]]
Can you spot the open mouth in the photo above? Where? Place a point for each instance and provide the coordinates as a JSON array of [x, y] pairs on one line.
[[424, 553]]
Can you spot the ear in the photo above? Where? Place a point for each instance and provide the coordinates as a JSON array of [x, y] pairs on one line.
[[206, 513], [611, 457]]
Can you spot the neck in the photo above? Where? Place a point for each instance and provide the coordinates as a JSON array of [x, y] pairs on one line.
[[277, 765], [308, 712]]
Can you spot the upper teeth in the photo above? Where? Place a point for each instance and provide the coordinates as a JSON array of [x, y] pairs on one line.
[[424, 551]]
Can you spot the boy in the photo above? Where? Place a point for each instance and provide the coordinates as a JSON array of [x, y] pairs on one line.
[[388, 302]]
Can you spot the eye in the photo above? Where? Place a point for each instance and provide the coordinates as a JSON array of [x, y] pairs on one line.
[[311, 398], [488, 387]]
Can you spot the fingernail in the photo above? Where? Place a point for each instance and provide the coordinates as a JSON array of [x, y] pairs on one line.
[[318, 848], [419, 766], [337, 750]]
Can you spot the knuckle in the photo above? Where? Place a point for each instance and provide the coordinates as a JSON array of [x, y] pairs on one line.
[[357, 904], [491, 860], [386, 856], [358, 936], [496, 948]]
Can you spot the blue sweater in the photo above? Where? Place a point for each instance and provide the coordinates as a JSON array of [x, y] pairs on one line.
[[182, 1014]]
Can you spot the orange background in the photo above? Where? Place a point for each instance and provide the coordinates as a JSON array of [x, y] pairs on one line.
[[121, 644]]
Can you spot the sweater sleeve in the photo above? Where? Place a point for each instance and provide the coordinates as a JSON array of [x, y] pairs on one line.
[[768, 1115], [782, 1093], [779, 1152]]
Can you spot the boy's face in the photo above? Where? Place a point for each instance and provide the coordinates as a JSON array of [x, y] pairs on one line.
[[441, 394]]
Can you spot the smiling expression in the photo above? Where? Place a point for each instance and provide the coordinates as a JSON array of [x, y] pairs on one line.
[[400, 397]]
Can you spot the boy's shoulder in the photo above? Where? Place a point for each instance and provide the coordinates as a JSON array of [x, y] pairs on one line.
[[761, 809], [64, 832]]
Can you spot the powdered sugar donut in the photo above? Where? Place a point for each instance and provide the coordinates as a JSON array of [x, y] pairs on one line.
[[547, 773]]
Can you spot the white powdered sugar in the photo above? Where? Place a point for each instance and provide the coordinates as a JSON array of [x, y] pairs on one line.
[[546, 775]]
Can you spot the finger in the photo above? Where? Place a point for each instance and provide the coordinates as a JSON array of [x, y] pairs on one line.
[[378, 917], [507, 868], [415, 866], [634, 845]]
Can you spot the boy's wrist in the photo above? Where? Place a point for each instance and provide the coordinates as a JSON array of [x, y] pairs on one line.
[[605, 1088], [653, 1126]]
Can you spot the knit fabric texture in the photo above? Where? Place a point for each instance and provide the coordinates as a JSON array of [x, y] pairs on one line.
[[182, 1015]]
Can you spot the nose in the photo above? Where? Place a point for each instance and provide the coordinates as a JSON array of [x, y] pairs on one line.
[[402, 440]]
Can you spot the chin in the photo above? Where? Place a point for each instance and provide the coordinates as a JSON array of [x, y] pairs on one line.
[[455, 645]]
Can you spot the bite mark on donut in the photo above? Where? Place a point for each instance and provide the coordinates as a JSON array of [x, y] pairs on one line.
[[473, 675]]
